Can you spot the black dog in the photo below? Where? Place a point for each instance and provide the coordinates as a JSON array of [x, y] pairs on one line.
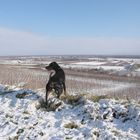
[[56, 81]]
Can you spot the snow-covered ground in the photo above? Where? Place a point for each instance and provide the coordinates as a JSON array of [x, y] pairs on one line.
[[107, 119], [93, 63], [110, 65]]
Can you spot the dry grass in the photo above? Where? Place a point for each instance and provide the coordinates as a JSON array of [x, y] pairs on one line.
[[96, 98], [71, 125], [12, 76], [92, 73], [77, 81], [35, 79], [21, 95], [129, 93], [73, 99]]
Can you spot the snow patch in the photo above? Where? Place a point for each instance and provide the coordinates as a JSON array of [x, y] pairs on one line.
[[106, 119]]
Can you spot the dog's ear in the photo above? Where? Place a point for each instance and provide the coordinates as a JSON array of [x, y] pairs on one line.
[[53, 66]]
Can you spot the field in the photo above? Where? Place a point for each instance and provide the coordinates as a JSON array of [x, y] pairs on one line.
[[102, 101], [117, 77]]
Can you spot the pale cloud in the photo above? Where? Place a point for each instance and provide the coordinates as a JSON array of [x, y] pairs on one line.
[[13, 42]]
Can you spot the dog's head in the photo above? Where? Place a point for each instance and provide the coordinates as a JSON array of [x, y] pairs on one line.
[[53, 66]]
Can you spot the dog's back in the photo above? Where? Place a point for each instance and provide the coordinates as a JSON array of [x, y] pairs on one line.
[[56, 81]]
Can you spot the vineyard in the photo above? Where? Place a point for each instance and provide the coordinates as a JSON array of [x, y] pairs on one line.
[[79, 82]]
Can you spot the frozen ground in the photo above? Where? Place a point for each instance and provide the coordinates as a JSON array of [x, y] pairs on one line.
[[102, 64], [117, 77], [103, 86], [107, 119], [123, 67]]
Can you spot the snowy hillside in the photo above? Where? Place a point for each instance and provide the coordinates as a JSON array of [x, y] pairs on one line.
[[107, 119]]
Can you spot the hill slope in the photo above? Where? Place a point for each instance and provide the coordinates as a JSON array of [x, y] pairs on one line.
[[107, 119]]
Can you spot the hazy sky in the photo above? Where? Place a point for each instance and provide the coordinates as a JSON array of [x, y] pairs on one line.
[[50, 27]]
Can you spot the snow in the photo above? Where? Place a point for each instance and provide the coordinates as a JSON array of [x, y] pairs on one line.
[[94, 66], [111, 65], [122, 67], [107, 119], [116, 68], [138, 70], [96, 63]]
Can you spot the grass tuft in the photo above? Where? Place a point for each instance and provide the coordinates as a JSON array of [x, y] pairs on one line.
[[73, 99], [21, 95], [51, 106], [97, 98], [20, 131], [71, 125]]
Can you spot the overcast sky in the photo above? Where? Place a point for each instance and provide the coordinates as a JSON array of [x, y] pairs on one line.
[[44, 27]]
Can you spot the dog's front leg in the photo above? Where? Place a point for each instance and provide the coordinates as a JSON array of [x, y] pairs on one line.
[[64, 87], [47, 96], [47, 92]]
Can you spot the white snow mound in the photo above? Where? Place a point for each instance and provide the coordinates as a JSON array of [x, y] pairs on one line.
[[104, 120]]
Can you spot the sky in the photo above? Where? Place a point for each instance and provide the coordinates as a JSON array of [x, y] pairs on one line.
[[68, 27]]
